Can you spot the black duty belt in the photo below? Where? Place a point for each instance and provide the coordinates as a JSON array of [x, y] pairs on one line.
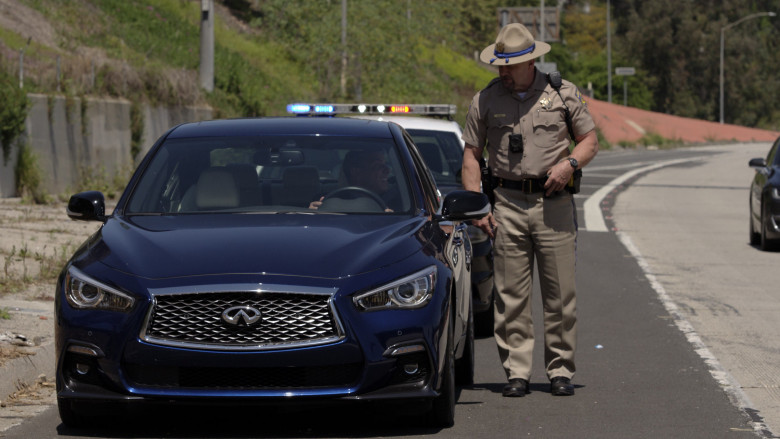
[[526, 185]]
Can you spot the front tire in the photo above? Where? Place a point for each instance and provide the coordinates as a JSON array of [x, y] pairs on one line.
[[464, 367], [767, 244], [442, 414], [755, 237], [484, 321]]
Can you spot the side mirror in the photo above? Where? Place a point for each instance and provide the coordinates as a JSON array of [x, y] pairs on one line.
[[757, 163], [464, 205], [87, 206]]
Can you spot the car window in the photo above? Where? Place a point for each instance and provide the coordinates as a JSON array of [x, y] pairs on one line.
[[442, 152], [428, 183], [311, 174]]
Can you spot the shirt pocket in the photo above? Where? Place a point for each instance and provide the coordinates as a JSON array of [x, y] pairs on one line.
[[504, 120], [547, 128], [500, 126]]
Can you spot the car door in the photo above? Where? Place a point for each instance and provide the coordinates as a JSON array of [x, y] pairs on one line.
[[457, 249]]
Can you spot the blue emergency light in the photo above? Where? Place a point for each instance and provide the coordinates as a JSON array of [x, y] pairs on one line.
[[298, 108]]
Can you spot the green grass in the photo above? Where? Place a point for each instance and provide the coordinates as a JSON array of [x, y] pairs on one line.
[[11, 39]]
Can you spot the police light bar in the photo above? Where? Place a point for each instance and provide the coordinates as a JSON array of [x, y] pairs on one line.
[[303, 109]]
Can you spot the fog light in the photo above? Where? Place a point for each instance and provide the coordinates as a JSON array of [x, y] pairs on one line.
[[396, 351], [84, 350], [411, 368], [82, 369]]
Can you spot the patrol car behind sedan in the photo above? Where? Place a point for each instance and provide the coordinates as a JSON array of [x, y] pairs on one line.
[[241, 265]]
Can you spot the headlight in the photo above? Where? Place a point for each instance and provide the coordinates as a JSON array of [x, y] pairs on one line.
[[83, 292], [410, 292], [776, 193]]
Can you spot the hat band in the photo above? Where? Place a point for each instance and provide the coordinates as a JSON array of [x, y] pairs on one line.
[[512, 54]]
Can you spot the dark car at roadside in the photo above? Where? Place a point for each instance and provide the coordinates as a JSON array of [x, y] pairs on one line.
[[765, 200], [215, 281]]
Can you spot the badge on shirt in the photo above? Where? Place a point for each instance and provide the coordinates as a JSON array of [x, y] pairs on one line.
[[545, 103]]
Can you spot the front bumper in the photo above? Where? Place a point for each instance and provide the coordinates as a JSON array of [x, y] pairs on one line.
[[334, 372], [382, 355]]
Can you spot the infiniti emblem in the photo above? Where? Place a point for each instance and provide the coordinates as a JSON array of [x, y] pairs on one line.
[[241, 315]]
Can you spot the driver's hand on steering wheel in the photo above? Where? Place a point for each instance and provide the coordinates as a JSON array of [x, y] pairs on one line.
[[316, 204]]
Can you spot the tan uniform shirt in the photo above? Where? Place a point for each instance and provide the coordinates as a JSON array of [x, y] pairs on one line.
[[539, 116]]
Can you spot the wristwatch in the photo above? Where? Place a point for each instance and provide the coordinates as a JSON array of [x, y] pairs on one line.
[[573, 162]]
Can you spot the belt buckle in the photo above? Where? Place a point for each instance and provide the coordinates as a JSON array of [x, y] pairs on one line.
[[526, 185]]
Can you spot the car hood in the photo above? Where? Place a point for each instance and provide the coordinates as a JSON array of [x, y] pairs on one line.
[[321, 246]]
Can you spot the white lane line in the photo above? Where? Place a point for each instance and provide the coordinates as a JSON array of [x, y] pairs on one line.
[[594, 218], [727, 382], [635, 126]]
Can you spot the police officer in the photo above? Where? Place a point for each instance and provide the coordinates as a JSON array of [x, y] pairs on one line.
[[522, 121]]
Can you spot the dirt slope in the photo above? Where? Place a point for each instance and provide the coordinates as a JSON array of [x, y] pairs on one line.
[[618, 123]]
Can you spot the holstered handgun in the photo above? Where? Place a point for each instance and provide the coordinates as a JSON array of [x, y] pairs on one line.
[[487, 180], [573, 186]]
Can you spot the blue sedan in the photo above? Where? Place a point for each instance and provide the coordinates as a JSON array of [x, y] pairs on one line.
[[267, 261]]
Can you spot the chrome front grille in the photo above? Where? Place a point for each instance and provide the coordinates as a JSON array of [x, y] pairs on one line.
[[287, 319]]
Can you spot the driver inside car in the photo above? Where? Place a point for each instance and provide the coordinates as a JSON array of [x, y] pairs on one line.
[[367, 170]]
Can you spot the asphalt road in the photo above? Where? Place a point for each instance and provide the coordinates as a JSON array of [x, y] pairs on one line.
[[674, 311]]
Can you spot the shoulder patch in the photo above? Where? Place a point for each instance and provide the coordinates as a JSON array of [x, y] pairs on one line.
[[579, 96]]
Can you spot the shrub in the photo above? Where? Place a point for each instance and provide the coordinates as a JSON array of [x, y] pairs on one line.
[[29, 179], [13, 113]]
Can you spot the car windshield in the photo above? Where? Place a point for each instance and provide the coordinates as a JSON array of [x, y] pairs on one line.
[[269, 174], [442, 153]]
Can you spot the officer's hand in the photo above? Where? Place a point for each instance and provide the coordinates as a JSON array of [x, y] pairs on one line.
[[487, 223], [558, 177]]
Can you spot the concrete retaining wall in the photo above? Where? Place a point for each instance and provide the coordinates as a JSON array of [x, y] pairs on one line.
[[70, 137]]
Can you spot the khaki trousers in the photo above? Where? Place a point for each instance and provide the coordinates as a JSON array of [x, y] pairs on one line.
[[531, 227]]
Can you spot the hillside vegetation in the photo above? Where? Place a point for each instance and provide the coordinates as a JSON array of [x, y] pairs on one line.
[[273, 52], [267, 54]]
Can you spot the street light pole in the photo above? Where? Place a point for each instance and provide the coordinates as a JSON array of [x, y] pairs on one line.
[[722, 44], [609, 58]]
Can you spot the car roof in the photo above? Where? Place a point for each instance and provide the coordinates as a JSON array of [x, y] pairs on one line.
[[328, 126], [420, 123], [415, 122]]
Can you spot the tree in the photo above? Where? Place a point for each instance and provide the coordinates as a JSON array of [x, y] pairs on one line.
[[678, 42]]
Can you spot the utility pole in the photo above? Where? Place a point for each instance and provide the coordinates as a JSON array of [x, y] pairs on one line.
[[343, 48], [207, 45], [21, 62], [541, 26]]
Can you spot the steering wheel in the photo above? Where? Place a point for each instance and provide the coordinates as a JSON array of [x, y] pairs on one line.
[[359, 191]]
